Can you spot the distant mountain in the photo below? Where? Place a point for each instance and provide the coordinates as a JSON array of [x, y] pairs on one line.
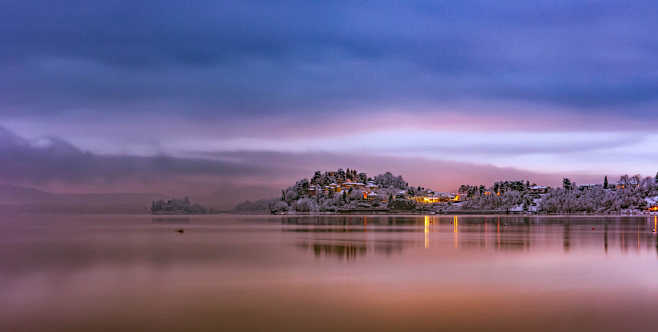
[[15, 194], [29, 200]]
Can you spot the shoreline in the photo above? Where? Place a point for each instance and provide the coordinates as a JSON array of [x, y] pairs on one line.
[[321, 214]]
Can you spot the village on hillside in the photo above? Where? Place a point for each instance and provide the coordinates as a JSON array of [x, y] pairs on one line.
[[350, 191]]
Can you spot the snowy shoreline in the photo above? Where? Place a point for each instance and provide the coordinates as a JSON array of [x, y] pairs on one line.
[[407, 214]]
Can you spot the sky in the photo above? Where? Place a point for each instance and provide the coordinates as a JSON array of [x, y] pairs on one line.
[[239, 98]]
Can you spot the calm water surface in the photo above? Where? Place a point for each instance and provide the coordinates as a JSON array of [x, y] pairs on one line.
[[261, 273]]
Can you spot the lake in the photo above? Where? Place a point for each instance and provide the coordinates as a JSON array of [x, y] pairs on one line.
[[375, 273]]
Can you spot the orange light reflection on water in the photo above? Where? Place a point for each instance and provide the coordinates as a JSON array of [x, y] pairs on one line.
[[427, 231], [498, 233], [455, 229]]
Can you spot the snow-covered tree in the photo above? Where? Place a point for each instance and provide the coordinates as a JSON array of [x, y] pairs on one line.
[[317, 178], [566, 184], [340, 175], [599, 200], [356, 195], [363, 177], [387, 180], [305, 205], [278, 207]]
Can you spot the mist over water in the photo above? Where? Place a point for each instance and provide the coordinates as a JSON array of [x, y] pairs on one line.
[[375, 273]]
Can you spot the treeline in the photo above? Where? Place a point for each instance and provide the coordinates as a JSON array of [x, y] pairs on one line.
[[500, 187], [631, 193], [327, 178]]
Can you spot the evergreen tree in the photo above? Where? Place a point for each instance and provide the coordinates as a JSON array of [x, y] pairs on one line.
[[566, 184], [317, 178], [605, 182], [363, 177]]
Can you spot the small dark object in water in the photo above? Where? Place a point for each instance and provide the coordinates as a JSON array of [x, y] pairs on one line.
[[180, 230]]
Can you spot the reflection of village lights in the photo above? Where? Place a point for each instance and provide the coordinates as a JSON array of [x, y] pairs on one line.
[[455, 229], [638, 237], [498, 233], [427, 231]]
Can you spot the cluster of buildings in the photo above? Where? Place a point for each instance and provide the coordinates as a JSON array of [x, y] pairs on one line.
[[623, 183], [367, 189], [431, 197], [371, 191]]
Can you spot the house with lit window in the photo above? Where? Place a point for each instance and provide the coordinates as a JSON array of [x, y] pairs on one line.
[[429, 199], [652, 203], [335, 187], [631, 182], [354, 185]]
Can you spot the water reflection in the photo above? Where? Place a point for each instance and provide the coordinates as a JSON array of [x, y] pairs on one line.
[[518, 233], [330, 220], [427, 231], [340, 250], [605, 238], [455, 230], [350, 273], [350, 250], [171, 220]]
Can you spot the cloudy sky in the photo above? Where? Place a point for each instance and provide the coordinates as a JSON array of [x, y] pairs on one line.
[[211, 96]]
